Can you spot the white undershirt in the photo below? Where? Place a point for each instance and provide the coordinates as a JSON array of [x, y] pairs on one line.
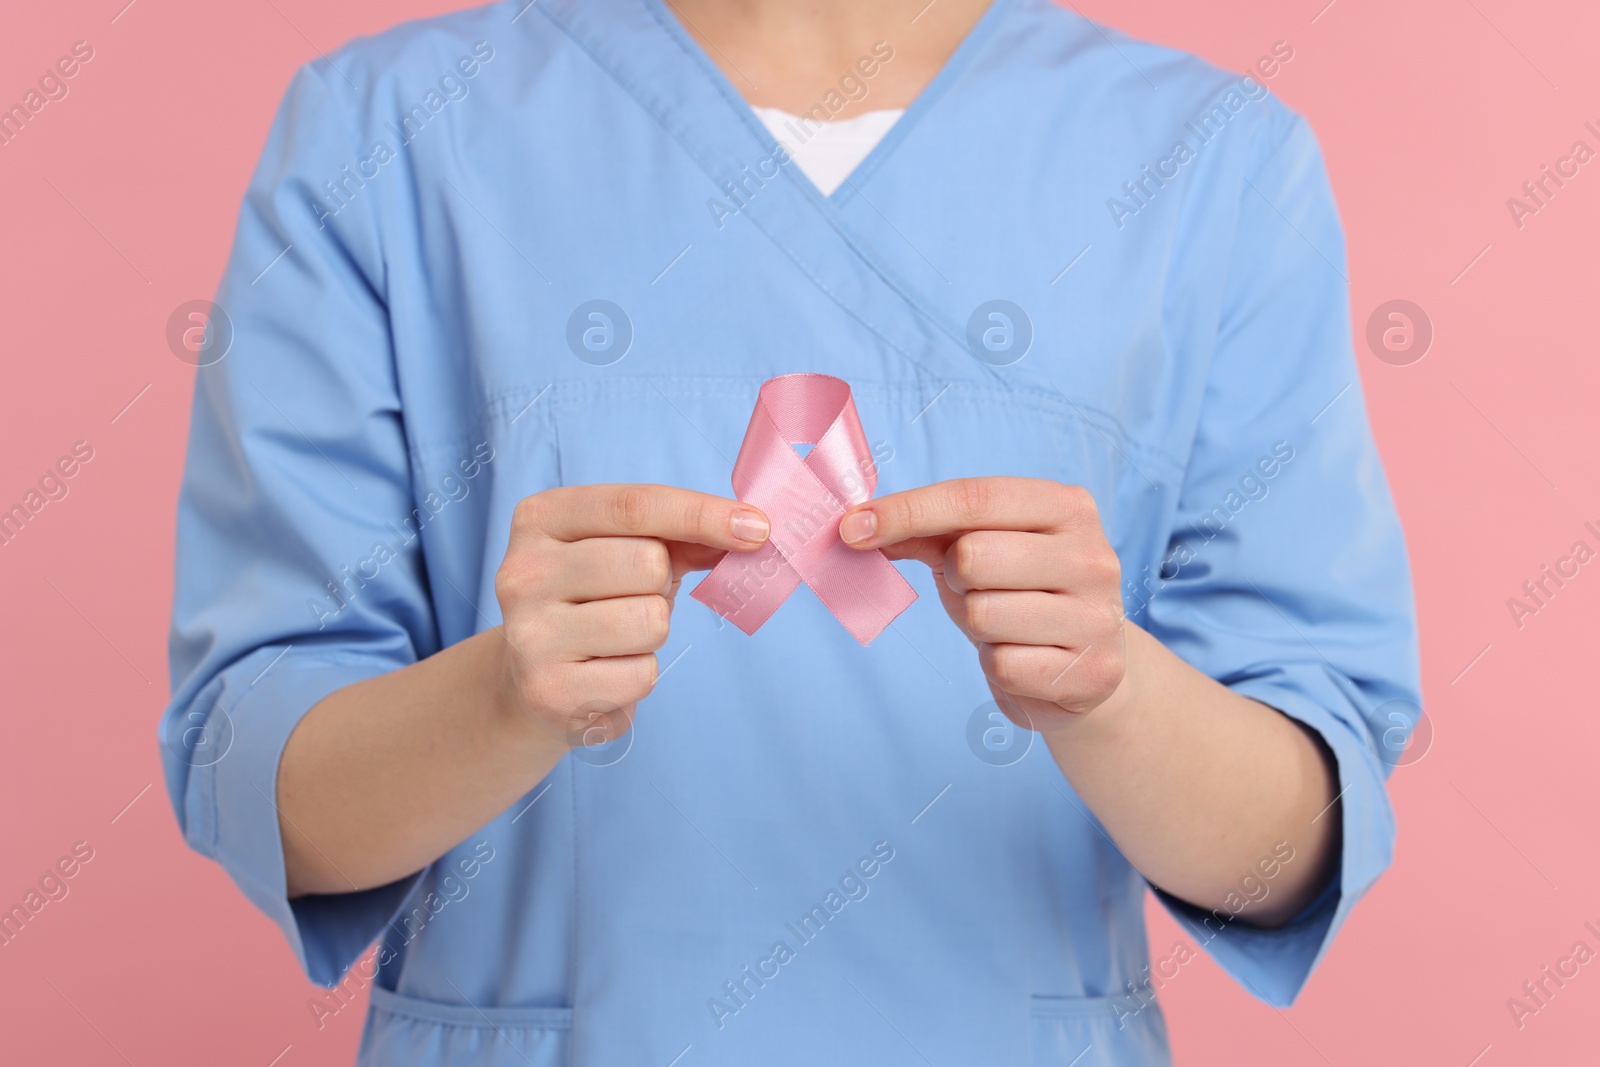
[[826, 152]]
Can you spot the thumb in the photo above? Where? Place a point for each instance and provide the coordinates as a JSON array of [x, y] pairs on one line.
[[926, 550]]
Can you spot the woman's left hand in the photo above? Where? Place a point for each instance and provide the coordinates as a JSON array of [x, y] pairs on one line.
[[1190, 779], [1025, 570]]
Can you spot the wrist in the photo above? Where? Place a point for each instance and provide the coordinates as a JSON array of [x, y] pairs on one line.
[[509, 714]]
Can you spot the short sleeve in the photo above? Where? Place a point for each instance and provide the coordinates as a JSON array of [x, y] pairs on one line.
[[1286, 577], [297, 455]]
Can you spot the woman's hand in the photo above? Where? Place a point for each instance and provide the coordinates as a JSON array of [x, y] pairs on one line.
[[1194, 782], [383, 776], [1026, 572], [586, 592]]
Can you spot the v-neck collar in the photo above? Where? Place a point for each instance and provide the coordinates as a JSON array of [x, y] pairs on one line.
[[952, 69], [831, 150], [688, 95]]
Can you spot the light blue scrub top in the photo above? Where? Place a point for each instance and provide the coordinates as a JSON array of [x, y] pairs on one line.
[[807, 851]]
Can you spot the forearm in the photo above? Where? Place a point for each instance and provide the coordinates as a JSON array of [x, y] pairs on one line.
[[383, 777], [1196, 784]]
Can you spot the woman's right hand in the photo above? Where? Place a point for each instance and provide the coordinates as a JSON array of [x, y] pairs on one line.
[[383, 776], [586, 592]]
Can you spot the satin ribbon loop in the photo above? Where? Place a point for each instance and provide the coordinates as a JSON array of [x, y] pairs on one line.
[[805, 497]]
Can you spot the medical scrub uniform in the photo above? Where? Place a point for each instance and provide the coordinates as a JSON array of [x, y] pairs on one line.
[[544, 244]]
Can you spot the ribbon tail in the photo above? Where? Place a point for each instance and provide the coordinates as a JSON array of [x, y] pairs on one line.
[[864, 590], [747, 587]]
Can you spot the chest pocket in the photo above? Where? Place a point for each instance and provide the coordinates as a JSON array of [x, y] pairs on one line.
[[1098, 1032], [407, 1030]]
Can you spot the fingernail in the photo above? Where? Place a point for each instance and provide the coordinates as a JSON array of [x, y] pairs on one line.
[[751, 527], [858, 526]]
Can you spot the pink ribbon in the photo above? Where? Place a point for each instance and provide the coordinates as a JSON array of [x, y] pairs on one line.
[[804, 499]]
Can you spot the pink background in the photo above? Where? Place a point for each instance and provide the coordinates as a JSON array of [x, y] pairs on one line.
[[118, 203]]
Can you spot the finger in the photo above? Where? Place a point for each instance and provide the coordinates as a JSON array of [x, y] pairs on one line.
[[598, 724], [1007, 559], [602, 685], [1031, 618], [927, 550], [599, 568], [1034, 504], [687, 558], [1054, 674], [622, 680], [574, 512], [621, 626]]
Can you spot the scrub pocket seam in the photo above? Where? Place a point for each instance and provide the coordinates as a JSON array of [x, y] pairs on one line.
[[498, 410], [740, 390], [465, 1016]]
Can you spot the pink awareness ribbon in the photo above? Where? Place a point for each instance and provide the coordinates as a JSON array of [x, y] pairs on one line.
[[804, 498]]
